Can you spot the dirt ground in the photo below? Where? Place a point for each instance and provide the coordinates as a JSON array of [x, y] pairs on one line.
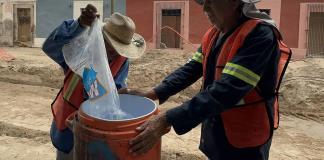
[[30, 82]]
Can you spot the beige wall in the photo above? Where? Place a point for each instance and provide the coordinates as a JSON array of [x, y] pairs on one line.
[[275, 6], [7, 27], [6, 23]]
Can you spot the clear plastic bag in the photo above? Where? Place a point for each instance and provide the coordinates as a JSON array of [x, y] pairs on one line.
[[86, 56]]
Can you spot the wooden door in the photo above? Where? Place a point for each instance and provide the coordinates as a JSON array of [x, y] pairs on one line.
[[24, 24], [170, 30]]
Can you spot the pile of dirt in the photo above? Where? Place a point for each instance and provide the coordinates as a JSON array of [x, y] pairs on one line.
[[302, 90], [148, 71], [301, 94], [30, 83], [31, 67], [31, 75], [7, 129]]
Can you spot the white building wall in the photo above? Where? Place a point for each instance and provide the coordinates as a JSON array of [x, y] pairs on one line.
[[6, 23]]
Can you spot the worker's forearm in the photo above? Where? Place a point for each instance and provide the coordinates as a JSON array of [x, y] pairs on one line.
[[179, 80]]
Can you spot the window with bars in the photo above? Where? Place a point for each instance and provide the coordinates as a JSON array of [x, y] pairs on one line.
[[315, 32]]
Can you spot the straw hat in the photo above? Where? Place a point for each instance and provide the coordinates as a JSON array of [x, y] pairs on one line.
[[119, 31]]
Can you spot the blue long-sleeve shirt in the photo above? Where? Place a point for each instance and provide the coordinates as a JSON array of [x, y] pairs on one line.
[[63, 34], [260, 55]]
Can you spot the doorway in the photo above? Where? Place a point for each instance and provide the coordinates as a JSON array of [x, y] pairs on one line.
[[23, 25], [170, 24], [170, 31], [316, 33]]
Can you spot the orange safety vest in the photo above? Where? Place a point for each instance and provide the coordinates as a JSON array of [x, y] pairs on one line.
[[246, 125], [70, 97]]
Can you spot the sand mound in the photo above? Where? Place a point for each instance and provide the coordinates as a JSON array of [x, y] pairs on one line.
[[152, 68], [30, 67], [302, 90], [28, 85], [7, 129]]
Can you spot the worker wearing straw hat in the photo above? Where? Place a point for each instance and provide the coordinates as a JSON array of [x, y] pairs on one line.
[[121, 43]]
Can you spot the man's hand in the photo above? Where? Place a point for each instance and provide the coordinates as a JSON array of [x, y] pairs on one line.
[[151, 132], [88, 15], [150, 94]]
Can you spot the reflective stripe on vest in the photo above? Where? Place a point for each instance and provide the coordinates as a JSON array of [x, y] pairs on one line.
[[71, 86], [68, 99], [198, 57], [246, 125], [242, 73]]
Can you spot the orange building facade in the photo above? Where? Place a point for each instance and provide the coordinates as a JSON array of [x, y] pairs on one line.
[[181, 24], [182, 21], [302, 23]]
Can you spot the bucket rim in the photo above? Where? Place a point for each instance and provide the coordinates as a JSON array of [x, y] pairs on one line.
[[125, 120]]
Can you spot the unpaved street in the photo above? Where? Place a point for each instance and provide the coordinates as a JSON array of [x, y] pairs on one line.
[[29, 84]]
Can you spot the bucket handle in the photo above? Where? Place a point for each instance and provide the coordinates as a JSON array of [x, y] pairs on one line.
[[69, 120]]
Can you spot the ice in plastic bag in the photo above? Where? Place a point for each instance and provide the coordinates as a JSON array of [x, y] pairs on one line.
[[86, 56]]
